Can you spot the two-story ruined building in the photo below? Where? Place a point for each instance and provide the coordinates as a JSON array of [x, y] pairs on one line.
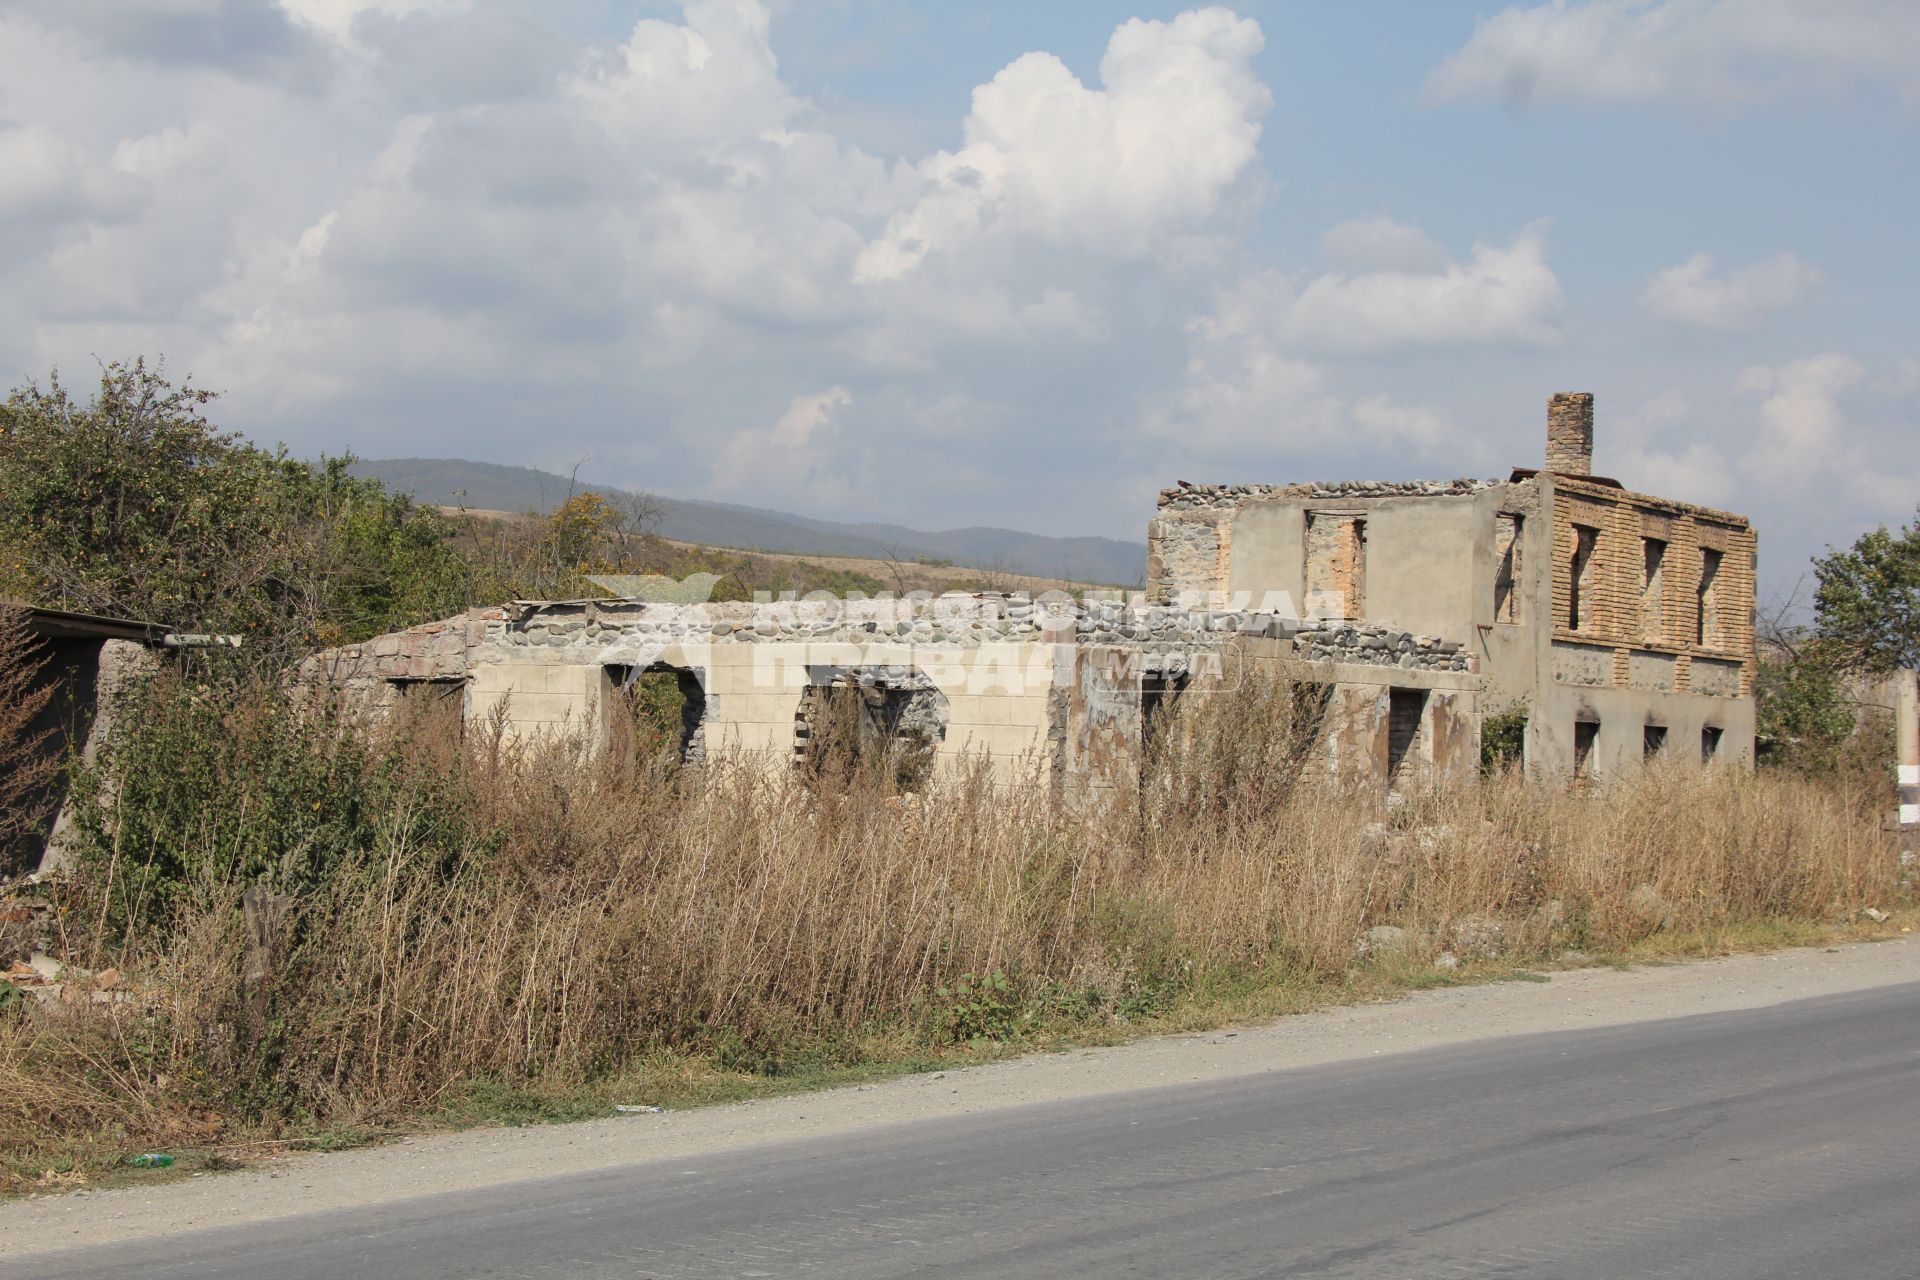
[[1619, 624]]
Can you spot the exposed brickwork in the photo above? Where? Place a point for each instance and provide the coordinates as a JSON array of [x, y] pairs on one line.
[[1653, 581], [1336, 565], [1509, 568], [1617, 604], [1570, 433], [1406, 709]]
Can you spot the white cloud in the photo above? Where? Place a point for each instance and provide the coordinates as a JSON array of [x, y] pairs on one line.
[[1647, 448], [50, 179], [1803, 430], [696, 88], [1366, 244], [1112, 170], [640, 248], [1819, 425], [1246, 394], [668, 229], [1259, 378], [1691, 294], [1827, 427], [1244, 401], [794, 454], [1499, 295], [1715, 53], [336, 17], [1502, 295], [1380, 419]]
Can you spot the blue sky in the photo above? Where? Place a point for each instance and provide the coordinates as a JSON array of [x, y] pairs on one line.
[[1017, 264]]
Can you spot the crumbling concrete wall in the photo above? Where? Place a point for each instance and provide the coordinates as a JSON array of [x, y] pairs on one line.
[[1102, 715], [117, 668], [1048, 688], [1356, 732]]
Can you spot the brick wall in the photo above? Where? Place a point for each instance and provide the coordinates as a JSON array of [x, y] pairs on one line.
[[1618, 606], [1336, 565], [1570, 433]]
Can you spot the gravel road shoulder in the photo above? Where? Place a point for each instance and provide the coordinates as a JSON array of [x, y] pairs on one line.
[[1576, 1000]]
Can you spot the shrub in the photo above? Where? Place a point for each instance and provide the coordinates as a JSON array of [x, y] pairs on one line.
[[133, 504]]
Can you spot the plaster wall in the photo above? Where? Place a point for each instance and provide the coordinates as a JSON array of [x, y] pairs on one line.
[[1354, 735], [1623, 715], [1421, 560], [1420, 567], [996, 694]]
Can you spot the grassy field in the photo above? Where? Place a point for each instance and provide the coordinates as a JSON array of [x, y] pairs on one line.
[[478, 933]]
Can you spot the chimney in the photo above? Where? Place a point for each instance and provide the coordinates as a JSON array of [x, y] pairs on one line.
[[1570, 433]]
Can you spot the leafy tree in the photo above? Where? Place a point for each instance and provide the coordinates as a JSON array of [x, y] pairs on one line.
[[578, 527], [134, 504], [1867, 603], [1805, 713]]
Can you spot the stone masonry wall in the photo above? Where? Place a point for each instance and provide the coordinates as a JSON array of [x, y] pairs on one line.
[[1367, 644], [582, 632], [1211, 497]]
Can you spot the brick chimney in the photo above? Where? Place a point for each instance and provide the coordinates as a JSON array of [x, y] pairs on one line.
[[1570, 433]]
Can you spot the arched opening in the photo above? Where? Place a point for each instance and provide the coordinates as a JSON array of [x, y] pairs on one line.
[[657, 709], [883, 724]]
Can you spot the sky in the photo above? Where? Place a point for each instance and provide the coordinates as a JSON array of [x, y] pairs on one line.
[[997, 263]]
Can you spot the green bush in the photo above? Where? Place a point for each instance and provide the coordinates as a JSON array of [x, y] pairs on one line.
[[133, 504], [974, 1009], [200, 788], [1503, 739]]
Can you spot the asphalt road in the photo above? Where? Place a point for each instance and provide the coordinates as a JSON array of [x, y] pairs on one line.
[[1782, 1141]]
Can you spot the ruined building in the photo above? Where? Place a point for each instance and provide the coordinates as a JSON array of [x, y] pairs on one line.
[[1617, 626]]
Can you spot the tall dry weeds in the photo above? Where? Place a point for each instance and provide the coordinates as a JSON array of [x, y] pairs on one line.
[[590, 909], [27, 770]]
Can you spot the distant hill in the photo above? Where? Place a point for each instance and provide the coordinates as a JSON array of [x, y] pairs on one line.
[[489, 486]]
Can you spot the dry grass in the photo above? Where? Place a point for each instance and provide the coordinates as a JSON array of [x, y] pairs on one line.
[[598, 917], [27, 769]]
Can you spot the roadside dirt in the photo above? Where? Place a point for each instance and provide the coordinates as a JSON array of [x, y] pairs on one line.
[[1569, 1001]]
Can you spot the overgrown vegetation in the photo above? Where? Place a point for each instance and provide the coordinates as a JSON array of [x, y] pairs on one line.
[[321, 928], [334, 928], [1816, 712], [25, 781], [133, 504], [1503, 739]]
